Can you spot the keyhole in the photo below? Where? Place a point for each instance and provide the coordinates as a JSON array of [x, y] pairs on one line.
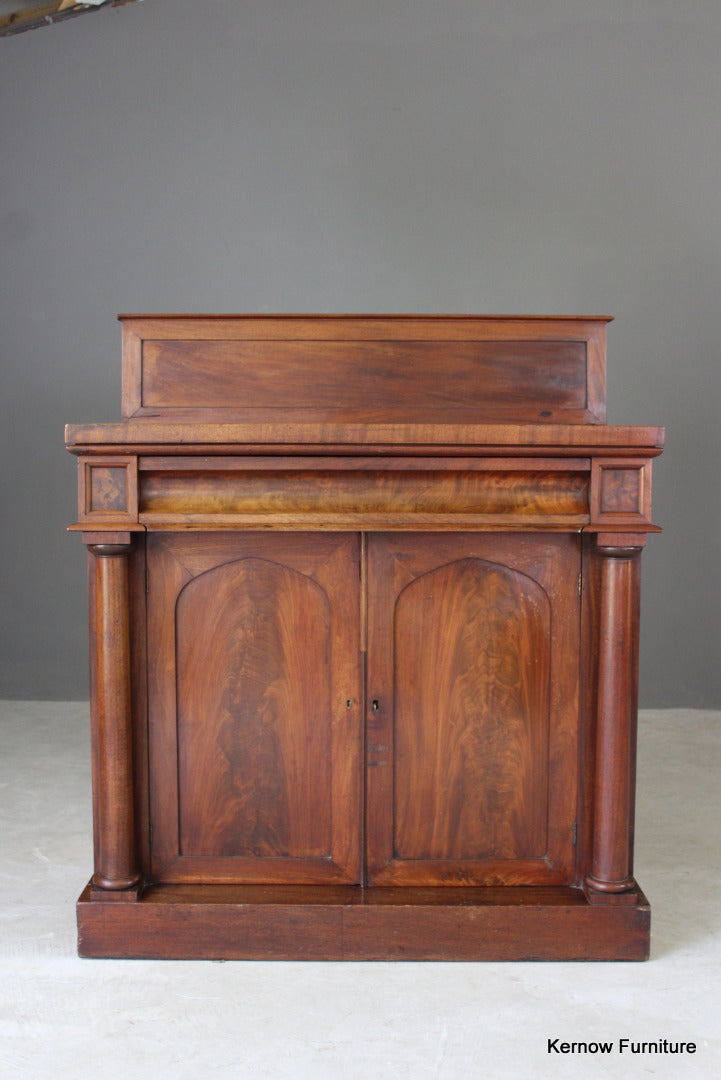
[[375, 706]]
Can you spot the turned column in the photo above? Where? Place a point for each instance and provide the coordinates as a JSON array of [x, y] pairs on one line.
[[615, 774], [115, 860]]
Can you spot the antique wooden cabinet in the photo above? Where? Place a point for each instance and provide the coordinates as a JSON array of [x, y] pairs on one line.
[[364, 598]]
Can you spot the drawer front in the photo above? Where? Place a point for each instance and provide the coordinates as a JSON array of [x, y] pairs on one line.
[[416, 494]]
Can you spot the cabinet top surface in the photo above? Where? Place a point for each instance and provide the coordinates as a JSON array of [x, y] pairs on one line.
[[134, 434]]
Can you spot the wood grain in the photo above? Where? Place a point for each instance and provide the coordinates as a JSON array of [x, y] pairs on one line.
[[472, 650], [115, 859], [143, 436], [255, 754], [384, 367], [301, 491], [254, 712], [107, 490], [381, 380], [286, 923], [621, 492], [615, 759], [477, 708]]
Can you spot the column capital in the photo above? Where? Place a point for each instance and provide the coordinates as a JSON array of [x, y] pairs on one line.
[[106, 550], [620, 545], [97, 538]]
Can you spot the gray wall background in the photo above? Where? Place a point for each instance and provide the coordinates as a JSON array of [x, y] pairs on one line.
[[539, 156]]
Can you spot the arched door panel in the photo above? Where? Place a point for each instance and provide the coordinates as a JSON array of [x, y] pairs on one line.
[[473, 668], [256, 751]]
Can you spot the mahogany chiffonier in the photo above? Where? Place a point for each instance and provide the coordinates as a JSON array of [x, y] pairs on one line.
[[364, 608]]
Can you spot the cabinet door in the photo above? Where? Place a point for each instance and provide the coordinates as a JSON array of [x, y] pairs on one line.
[[472, 722], [255, 713]]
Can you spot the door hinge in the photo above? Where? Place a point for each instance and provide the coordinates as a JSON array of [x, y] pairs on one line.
[[580, 583], [574, 832]]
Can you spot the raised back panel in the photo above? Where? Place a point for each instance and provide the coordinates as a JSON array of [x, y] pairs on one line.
[[426, 369]]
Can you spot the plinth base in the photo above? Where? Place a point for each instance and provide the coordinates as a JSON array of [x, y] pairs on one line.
[[294, 922]]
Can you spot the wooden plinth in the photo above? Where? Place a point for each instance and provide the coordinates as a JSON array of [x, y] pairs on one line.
[[176, 922]]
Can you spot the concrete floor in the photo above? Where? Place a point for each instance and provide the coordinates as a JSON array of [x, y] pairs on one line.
[[64, 1017]]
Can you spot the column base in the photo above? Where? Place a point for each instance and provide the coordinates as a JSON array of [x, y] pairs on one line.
[[114, 896], [628, 895]]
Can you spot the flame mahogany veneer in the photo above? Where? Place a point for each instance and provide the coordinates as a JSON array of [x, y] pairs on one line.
[[364, 597]]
